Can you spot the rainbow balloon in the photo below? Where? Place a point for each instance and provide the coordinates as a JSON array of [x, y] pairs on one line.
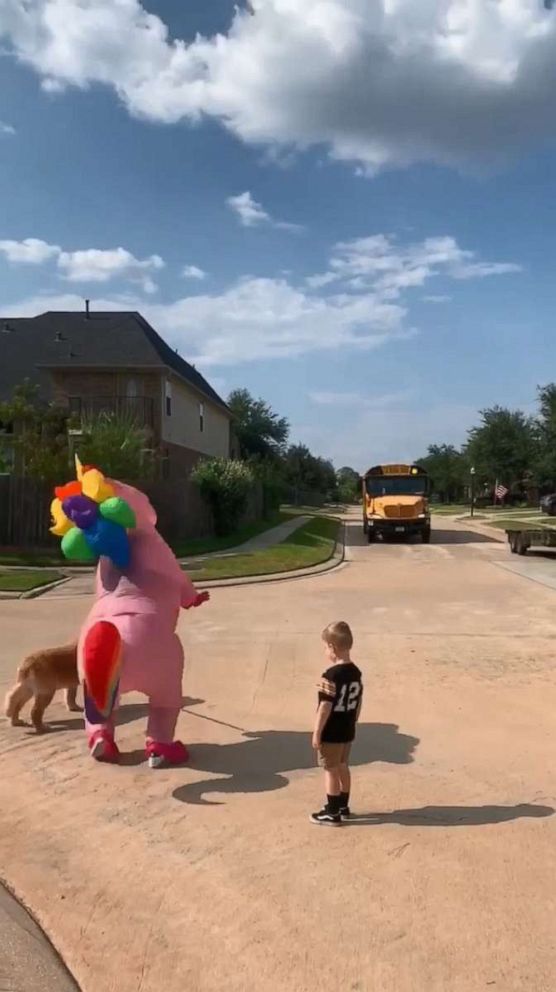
[[91, 519]]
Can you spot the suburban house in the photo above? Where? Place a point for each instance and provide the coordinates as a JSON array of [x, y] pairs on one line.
[[115, 362]]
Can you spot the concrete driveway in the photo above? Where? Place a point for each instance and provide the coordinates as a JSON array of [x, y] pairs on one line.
[[211, 877]]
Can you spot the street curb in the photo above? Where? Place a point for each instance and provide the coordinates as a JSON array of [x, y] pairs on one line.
[[46, 952], [40, 590], [479, 528], [337, 558], [37, 591]]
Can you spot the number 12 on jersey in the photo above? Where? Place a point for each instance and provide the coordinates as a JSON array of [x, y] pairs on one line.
[[352, 692]]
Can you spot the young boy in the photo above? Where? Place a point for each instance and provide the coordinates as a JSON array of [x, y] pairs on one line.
[[340, 696]]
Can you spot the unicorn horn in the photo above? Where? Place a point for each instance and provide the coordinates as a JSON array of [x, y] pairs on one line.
[[78, 469]]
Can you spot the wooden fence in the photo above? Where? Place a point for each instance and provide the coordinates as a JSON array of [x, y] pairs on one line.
[[182, 514]]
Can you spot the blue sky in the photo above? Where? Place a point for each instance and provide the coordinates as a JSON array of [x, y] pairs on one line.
[[366, 242]]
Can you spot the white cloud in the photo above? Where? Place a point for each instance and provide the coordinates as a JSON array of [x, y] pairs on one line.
[[378, 82], [437, 299], [255, 319], [96, 265], [31, 251], [7, 129], [193, 272], [87, 265], [381, 263], [252, 214], [274, 318]]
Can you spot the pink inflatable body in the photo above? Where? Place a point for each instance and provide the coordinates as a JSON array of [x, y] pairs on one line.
[[131, 629]]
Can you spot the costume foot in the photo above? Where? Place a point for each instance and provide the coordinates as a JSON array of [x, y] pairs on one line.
[[103, 747], [160, 755]]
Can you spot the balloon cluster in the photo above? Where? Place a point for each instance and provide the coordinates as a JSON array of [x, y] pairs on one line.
[[91, 520]]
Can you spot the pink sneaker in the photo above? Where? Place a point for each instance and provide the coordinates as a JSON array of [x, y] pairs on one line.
[[103, 747], [159, 755]]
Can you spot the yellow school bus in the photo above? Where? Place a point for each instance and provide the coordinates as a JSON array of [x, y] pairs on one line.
[[396, 502]]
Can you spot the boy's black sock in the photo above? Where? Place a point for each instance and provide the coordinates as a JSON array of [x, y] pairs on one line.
[[333, 804], [344, 800]]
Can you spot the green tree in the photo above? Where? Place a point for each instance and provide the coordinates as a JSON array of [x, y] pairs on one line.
[[306, 471], [448, 469], [34, 435], [503, 447], [349, 484], [545, 467], [261, 433]]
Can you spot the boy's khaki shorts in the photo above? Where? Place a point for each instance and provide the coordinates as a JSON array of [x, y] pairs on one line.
[[333, 755]]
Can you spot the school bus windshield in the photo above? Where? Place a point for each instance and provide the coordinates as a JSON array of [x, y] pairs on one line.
[[396, 485]]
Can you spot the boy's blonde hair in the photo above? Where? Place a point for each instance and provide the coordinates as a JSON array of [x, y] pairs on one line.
[[338, 635]]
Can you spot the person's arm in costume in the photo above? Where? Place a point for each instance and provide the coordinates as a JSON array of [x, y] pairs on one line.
[[190, 598]]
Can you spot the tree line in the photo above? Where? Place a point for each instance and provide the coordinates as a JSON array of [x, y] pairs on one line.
[[508, 447], [263, 439]]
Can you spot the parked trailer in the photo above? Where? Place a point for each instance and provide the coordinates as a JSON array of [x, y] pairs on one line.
[[520, 540]]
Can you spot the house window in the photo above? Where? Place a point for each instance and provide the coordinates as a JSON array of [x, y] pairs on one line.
[[201, 417], [168, 399], [131, 389]]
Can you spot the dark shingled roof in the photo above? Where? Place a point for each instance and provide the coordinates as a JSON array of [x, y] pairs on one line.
[[65, 339]]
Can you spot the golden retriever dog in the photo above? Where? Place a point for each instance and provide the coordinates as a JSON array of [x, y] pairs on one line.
[[40, 675]]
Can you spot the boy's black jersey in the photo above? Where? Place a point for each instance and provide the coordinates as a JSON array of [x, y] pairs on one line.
[[341, 685]]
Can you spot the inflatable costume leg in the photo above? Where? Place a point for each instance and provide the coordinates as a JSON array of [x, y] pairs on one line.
[[101, 657]]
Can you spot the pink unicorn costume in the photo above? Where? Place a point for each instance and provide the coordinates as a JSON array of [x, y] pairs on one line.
[[128, 642], [143, 605]]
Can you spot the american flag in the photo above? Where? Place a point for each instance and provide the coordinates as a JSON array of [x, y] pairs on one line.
[[500, 491]]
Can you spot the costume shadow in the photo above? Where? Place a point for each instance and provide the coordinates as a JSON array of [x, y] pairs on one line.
[[258, 763], [451, 816]]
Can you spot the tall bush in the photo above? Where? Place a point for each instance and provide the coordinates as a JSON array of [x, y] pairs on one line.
[[117, 445], [225, 486]]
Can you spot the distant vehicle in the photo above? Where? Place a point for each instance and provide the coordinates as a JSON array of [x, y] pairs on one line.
[[396, 502], [548, 504]]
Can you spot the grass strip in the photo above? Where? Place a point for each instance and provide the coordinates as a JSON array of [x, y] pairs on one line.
[[311, 544], [24, 581]]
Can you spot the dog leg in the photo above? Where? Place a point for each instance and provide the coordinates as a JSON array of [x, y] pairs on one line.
[[71, 701], [15, 701], [40, 704]]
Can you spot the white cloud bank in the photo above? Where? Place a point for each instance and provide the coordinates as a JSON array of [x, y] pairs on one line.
[[360, 304], [90, 265], [378, 82]]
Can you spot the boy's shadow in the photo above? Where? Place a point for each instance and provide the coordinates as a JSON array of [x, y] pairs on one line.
[[258, 762], [451, 816]]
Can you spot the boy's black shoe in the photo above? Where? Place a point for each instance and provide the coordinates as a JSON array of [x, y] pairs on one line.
[[325, 817], [345, 812]]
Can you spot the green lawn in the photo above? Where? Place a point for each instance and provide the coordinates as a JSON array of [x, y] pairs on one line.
[[449, 509], [208, 545], [25, 580], [34, 559], [184, 549], [309, 545]]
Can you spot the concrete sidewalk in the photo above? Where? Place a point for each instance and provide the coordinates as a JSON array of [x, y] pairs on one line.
[[268, 538], [28, 962]]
